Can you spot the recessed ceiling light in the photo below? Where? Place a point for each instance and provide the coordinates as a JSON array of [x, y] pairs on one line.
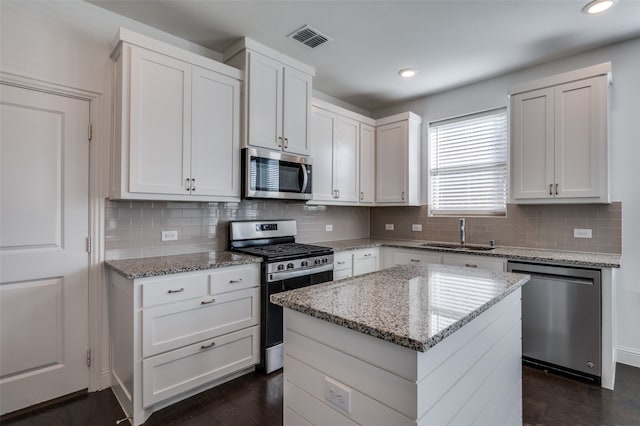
[[407, 72], [597, 6]]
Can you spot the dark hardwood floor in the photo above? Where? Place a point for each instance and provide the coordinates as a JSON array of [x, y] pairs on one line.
[[256, 399]]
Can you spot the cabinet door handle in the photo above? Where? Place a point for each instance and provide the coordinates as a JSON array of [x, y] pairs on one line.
[[415, 260], [361, 196], [207, 302], [338, 192], [402, 195], [550, 189], [177, 290], [286, 142], [556, 189], [210, 345], [341, 262], [193, 184], [239, 280], [367, 255], [470, 265], [279, 143], [188, 185]]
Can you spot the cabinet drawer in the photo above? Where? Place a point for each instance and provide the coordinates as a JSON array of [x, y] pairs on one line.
[[179, 324], [234, 278], [365, 261], [342, 273], [403, 257], [171, 373], [342, 261], [479, 262], [178, 287]]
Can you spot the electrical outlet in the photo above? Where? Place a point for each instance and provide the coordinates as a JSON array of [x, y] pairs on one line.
[[417, 227], [169, 235], [337, 394], [581, 233], [328, 228], [388, 227]]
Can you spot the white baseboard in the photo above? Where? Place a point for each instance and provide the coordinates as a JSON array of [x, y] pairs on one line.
[[629, 356]]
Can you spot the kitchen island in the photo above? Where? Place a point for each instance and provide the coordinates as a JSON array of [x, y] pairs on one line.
[[412, 344]]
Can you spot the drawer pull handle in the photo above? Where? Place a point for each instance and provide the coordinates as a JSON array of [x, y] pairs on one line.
[[239, 280], [207, 302], [210, 345], [367, 255], [470, 265], [178, 290], [342, 262], [415, 260]]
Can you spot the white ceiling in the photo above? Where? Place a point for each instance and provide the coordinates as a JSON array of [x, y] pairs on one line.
[[451, 43]]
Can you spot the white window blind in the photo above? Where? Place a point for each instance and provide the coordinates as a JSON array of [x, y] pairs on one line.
[[469, 165]]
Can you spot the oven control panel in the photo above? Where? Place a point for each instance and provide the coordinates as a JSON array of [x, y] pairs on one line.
[[308, 263]]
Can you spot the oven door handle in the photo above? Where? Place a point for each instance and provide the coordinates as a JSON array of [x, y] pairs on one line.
[[284, 275], [305, 178]]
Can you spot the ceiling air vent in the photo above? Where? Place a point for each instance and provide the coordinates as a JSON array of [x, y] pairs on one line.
[[309, 36]]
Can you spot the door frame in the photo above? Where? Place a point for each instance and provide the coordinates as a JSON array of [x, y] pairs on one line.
[[99, 153]]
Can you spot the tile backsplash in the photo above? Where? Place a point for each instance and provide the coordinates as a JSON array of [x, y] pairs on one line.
[[534, 226], [133, 228]]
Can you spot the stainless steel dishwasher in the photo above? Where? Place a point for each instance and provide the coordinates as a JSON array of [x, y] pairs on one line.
[[561, 319]]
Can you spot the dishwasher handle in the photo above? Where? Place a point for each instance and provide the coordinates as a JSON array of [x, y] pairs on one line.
[[559, 278]]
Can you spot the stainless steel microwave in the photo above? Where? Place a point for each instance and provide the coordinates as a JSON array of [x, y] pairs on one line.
[[272, 174]]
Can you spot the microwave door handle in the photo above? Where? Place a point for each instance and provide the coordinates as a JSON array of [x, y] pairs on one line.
[[305, 179]]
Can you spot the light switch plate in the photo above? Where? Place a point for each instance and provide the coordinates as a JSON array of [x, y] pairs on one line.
[[388, 227], [581, 233], [328, 228], [169, 235], [417, 227]]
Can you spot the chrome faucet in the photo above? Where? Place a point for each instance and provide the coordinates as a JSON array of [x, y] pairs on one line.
[[463, 236]]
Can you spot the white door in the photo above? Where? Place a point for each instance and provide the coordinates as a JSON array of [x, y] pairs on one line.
[[322, 123], [533, 144], [160, 140], [367, 162], [296, 106], [391, 163], [264, 102], [580, 111], [44, 192], [215, 143], [345, 157]]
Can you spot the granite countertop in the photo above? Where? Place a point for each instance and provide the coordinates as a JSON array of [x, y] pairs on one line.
[[415, 306], [601, 260], [164, 265]]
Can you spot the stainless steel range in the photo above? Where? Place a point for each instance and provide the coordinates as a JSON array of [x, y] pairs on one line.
[[286, 265]]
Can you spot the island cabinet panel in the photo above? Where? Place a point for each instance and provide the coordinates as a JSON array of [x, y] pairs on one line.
[[472, 374]]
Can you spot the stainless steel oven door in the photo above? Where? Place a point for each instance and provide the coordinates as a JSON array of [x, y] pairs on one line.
[[272, 174], [272, 333]]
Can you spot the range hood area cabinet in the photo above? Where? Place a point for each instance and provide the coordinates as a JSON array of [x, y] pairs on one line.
[[343, 152], [398, 160], [277, 97], [177, 124], [559, 138]]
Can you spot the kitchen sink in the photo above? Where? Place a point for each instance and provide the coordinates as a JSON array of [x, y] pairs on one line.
[[458, 246]]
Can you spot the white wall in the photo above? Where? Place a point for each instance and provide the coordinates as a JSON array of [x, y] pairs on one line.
[[625, 155], [68, 43]]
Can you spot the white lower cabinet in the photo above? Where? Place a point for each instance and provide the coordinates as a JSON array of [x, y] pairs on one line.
[[174, 336], [480, 262], [355, 262]]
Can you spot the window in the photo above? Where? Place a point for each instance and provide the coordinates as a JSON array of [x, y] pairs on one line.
[[469, 165]]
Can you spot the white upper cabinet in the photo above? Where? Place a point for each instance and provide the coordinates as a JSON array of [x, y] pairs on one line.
[[367, 176], [398, 160], [277, 97], [336, 143], [559, 139], [177, 124]]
